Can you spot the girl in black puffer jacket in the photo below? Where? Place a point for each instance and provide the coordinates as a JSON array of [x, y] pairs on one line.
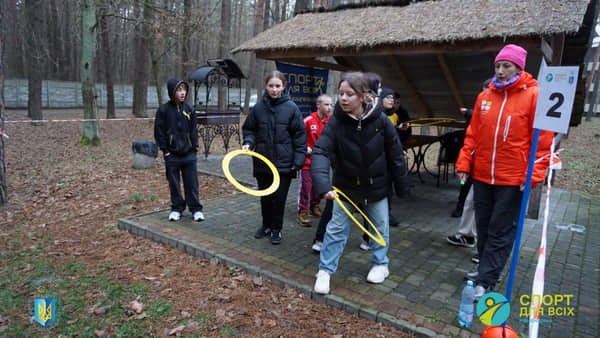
[[367, 153], [275, 129]]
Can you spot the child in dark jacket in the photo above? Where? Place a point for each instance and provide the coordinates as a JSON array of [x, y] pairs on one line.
[[177, 137], [274, 129], [367, 152]]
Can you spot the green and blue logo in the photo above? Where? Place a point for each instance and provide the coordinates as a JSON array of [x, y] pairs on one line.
[[493, 309]]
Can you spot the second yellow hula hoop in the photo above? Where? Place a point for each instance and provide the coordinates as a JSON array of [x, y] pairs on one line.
[[432, 121], [268, 191], [380, 240]]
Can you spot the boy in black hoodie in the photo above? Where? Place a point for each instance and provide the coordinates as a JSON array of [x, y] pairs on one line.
[[176, 135]]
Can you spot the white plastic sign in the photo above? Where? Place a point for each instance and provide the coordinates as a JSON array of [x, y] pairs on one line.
[[555, 101]]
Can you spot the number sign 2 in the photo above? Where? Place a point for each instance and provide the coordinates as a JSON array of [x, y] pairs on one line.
[[555, 100], [553, 110]]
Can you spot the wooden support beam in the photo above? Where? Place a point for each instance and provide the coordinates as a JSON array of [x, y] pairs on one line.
[[450, 80], [397, 67], [350, 62], [557, 43], [553, 50], [491, 45], [553, 53], [312, 63]]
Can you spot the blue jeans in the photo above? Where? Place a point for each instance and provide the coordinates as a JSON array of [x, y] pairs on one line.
[[338, 230]]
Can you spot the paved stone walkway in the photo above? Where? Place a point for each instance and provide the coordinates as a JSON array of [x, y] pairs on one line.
[[422, 294]]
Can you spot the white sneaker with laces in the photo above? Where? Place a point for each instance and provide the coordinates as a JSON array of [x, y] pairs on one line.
[[174, 216], [317, 245], [364, 245], [322, 282], [198, 216], [378, 274], [479, 292]]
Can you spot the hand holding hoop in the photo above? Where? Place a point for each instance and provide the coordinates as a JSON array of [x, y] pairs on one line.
[[380, 240], [271, 189]]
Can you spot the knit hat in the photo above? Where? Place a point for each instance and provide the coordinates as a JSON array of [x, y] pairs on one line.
[[514, 54], [385, 91]]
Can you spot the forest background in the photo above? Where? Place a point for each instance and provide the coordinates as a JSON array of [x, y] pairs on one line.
[[65, 198]]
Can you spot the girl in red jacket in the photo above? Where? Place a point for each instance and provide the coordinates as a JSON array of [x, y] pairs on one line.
[[495, 154]]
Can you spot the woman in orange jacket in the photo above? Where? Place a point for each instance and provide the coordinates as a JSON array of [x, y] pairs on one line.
[[495, 155]]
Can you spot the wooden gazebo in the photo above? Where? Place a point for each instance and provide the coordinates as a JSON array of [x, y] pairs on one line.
[[435, 53]]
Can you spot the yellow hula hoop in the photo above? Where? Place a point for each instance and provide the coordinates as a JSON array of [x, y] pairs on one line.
[[253, 192], [429, 121], [380, 240]]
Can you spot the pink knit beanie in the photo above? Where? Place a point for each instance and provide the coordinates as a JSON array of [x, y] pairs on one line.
[[514, 54]]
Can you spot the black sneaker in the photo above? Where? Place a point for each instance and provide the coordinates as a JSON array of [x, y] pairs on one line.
[[275, 236], [457, 212], [461, 240], [472, 275], [475, 258], [262, 232], [393, 221]]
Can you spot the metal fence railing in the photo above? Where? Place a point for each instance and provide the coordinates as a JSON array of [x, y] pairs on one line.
[[64, 94]]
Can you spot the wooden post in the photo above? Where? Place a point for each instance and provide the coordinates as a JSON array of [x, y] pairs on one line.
[[553, 53]]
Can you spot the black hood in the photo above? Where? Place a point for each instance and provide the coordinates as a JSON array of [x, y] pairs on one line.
[[172, 85]]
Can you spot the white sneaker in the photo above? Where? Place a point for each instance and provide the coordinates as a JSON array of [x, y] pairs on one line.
[[479, 292], [198, 216], [322, 282], [378, 274], [364, 245], [174, 216], [317, 245]]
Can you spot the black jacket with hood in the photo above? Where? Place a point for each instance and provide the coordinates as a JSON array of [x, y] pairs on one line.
[[367, 154], [274, 128], [175, 125]]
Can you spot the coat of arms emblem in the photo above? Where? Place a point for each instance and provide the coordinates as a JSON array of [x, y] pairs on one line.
[[44, 306]]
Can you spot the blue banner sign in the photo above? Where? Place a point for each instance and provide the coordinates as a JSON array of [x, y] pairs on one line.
[[304, 85]]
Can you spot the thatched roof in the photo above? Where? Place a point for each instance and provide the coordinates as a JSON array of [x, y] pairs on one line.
[[443, 21], [435, 54]]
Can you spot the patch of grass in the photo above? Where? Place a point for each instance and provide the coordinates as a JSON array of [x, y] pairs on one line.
[[228, 331], [78, 292], [111, 228], [160, 308], [434, 318], [123, 209], [137, 197]]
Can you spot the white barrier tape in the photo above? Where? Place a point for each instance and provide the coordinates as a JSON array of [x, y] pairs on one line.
[[540, 269], [552, 153], [80, 120], [3, 134]]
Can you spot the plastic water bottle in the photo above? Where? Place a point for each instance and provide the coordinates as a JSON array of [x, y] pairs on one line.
[[465, 311]]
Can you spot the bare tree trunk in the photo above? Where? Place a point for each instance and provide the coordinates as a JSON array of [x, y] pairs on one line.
[[301, 5], [3, 183], [140, 84], [155, 45], [91, 134], [259, 66], [268, 17], [224, 48], [254, 74], [106, 53], [34, 59], [283, 14], [186, 59]]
